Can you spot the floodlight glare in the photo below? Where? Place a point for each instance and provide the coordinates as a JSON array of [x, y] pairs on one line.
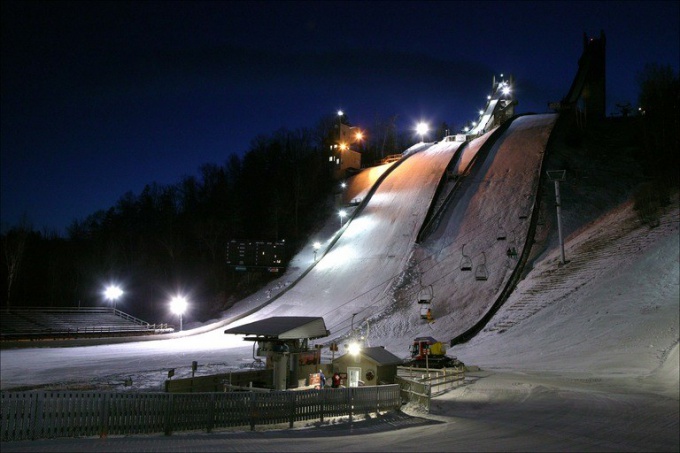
[[354, 348], [340, 113], [342, 214], [422, 128], [178, 305], [113, 292]]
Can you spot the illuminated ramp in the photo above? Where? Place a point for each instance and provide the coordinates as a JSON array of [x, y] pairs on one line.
[[466, 260], [356, 275], [499, 107]]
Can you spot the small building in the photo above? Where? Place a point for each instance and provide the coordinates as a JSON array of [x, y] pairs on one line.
[[371, 366], [284, 341]]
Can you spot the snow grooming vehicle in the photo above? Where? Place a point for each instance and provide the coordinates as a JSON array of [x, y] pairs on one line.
[[428, 352]]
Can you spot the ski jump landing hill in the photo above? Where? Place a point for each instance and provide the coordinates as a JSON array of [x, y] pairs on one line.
[[455, 219], [441, 204]]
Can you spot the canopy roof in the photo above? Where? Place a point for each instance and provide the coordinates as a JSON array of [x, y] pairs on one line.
[[283, 328]]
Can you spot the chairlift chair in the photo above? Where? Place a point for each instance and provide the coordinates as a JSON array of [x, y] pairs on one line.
[[501, 235], [481, 273], [425, 296], [465, 262]]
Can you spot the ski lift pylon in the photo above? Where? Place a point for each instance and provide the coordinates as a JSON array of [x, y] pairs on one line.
[[480, 272], [465, 261]]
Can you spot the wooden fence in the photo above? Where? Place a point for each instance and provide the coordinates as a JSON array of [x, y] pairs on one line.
[[221, 382], [420, 385], [47, 414]]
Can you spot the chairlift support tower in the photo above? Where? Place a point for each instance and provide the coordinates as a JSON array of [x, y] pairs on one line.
[[557, 176]]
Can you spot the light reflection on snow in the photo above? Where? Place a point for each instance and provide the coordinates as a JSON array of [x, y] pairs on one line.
[[337, 257]]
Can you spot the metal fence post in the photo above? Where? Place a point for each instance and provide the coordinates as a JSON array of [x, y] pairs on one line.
[[429, 397]]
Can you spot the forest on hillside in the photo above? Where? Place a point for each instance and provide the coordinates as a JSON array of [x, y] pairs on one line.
[[171, 239]]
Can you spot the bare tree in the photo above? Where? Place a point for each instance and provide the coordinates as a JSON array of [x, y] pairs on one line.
[[13, 246]]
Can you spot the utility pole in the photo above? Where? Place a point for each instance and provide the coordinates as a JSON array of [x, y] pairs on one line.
[[557, 176]]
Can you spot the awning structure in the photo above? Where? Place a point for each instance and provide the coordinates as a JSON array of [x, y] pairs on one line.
[[283, 328]]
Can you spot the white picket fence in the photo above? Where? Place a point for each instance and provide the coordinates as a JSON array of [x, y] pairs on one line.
[[48, 414]]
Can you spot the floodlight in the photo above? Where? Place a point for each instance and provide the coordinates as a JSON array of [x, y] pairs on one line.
[[178, 305], [113, 293], [354, 348]]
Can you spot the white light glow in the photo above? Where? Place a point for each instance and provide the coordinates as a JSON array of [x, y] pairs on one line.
[[422, 128], [178, 304], [354, 348], [337, 258], [113, 292]]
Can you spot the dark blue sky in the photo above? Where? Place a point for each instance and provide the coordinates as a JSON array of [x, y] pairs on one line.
[[101, 98]]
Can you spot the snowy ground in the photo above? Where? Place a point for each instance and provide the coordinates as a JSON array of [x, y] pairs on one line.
[[582, 357]]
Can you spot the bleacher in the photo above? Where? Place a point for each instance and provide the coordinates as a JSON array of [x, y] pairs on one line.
[[52, 323]]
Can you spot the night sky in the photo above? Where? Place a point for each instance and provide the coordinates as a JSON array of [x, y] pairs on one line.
[[102, 98]]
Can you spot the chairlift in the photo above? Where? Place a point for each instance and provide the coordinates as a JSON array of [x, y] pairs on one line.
[[425, 296], [481, 273], [501, 235], [465, 262]]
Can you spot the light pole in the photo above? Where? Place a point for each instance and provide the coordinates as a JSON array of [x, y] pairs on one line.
[[178, 305], [112, 293], [557, 176]]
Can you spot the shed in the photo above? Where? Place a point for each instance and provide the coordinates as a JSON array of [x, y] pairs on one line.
[[371, 366]]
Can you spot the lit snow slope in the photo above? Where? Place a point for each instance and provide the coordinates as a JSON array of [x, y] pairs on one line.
[[375, 269], [356, 274], [494, 200]]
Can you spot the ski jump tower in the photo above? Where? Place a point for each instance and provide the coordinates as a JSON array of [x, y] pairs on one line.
[[587, 95]]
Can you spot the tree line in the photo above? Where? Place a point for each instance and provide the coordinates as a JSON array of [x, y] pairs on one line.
[[173, 238]]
